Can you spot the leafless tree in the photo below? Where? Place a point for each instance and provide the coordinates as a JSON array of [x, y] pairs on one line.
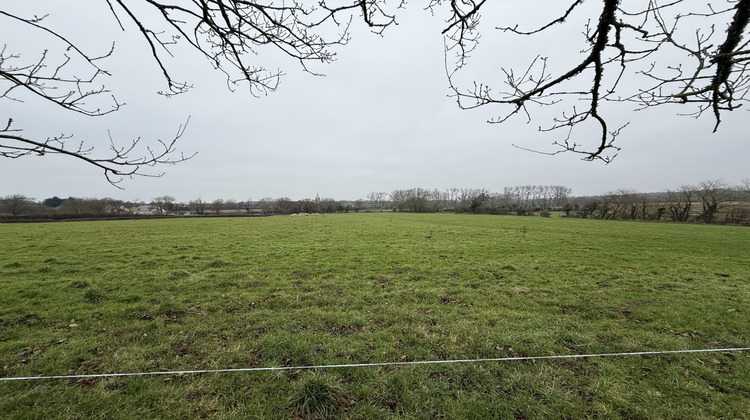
[[623, 39], [714, 196], [162, 203], [15, 204], [217, 205], [474, 199], [679, 203], [626, 204], [417, 200], [744, 187], [308, 206], [453, 196], [560, 195], [604, 208], [266, 205], [198, 206], [535, 196], [589, 208], [328, 205], [228, 34], [377, 199], [567, 208], [358, 205], [231, 205], [398, 199]]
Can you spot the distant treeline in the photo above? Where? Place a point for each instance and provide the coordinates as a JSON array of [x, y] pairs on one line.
[[706, 202], [466, 200]]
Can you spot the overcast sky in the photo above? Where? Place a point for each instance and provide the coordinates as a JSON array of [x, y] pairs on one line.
[[381, 119]]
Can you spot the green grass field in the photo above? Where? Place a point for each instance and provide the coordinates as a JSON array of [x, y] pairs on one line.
[[186, 294]]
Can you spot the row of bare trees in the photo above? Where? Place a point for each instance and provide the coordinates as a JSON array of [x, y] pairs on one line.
[[711, 201], [19, 204], [623, 204], [166, 204], [471, 200], [285, 205], [536, 196]]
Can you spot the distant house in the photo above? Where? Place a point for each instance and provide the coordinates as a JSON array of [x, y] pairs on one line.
[[145, 209]]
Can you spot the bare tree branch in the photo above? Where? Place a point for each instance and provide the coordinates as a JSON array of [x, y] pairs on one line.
[[226, 33], [718, 79], [119, 164], [231, 35]]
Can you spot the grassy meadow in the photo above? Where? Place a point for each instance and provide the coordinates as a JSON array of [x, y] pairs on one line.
[[188, 294]]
